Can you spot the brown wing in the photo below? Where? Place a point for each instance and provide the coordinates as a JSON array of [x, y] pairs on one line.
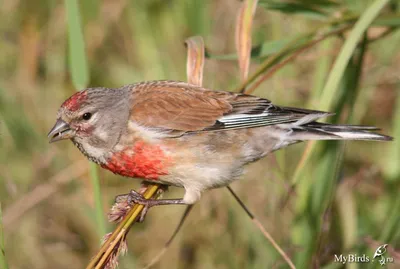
[[184, 107], [178, 105]]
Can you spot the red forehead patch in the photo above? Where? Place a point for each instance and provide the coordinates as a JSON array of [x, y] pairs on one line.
[[75, 101]]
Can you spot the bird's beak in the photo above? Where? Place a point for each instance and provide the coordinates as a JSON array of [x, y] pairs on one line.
[[61, 130]]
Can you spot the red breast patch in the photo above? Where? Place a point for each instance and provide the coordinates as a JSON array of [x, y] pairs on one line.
[[146, 161]]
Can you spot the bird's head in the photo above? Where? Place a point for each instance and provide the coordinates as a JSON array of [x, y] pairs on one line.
[[93, 119]]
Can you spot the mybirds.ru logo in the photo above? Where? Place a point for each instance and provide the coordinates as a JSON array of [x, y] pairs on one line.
[[379, 256]]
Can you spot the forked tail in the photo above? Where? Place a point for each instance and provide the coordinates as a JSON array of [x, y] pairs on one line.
[[323, 131]]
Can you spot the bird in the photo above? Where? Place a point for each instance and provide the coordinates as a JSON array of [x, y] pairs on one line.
[[178, 134]]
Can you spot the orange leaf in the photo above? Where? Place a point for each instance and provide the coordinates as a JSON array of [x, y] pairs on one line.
[[243, 35], [195, 60]]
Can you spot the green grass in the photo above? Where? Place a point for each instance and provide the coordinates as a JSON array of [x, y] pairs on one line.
[[76, 46], [3, 260], [329, 91], [344, 193], [78, 69]]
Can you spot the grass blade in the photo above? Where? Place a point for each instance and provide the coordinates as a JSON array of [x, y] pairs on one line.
[[3, 261], [265, 233], [243, 35], [80, 79], [392, 224], [195, 60], [77, 57], [94, 176], [257, 52], [316, 193], [304, 9], [329, 91], [392, 168], [171, 239], [276, 66]]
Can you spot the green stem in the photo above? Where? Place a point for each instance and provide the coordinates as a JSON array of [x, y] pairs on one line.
[[296, 43], [78, 68], [369, 17], [329, 91], [94, 175], [3, 261], [329, 94]]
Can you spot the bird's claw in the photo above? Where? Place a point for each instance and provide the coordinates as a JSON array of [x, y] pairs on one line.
[[133, 197], [121, 198], [137, 198]]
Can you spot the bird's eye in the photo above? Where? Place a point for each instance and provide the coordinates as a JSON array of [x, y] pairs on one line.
[[87, 116]]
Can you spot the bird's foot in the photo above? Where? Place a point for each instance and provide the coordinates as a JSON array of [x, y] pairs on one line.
[[133, 197], [137, 198]]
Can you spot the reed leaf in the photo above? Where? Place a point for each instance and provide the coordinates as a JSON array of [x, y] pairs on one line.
[[80, 78], [244, 23], [3, 260]]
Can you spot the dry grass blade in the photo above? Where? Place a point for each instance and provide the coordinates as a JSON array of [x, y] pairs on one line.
[[259, 225], [178, 228], [243, 35], [195, 60], [115, 242]]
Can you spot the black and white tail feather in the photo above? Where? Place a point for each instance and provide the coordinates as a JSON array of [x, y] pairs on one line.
[[296, 123], [322, 131]]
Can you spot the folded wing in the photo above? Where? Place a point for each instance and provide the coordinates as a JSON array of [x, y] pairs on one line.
[[184, 107]]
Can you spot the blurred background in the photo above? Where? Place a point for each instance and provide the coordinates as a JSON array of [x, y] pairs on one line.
[[343, 199]]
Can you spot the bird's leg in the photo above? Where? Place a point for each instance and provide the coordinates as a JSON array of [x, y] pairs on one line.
[[135, 197]]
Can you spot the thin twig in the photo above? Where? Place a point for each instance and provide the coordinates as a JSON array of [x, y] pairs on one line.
[[262, 229], [290, 47], [177, 229], [278, 66]]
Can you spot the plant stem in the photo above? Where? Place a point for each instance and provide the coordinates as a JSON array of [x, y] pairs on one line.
[[98, 201], [123, 227], [3, 261]]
